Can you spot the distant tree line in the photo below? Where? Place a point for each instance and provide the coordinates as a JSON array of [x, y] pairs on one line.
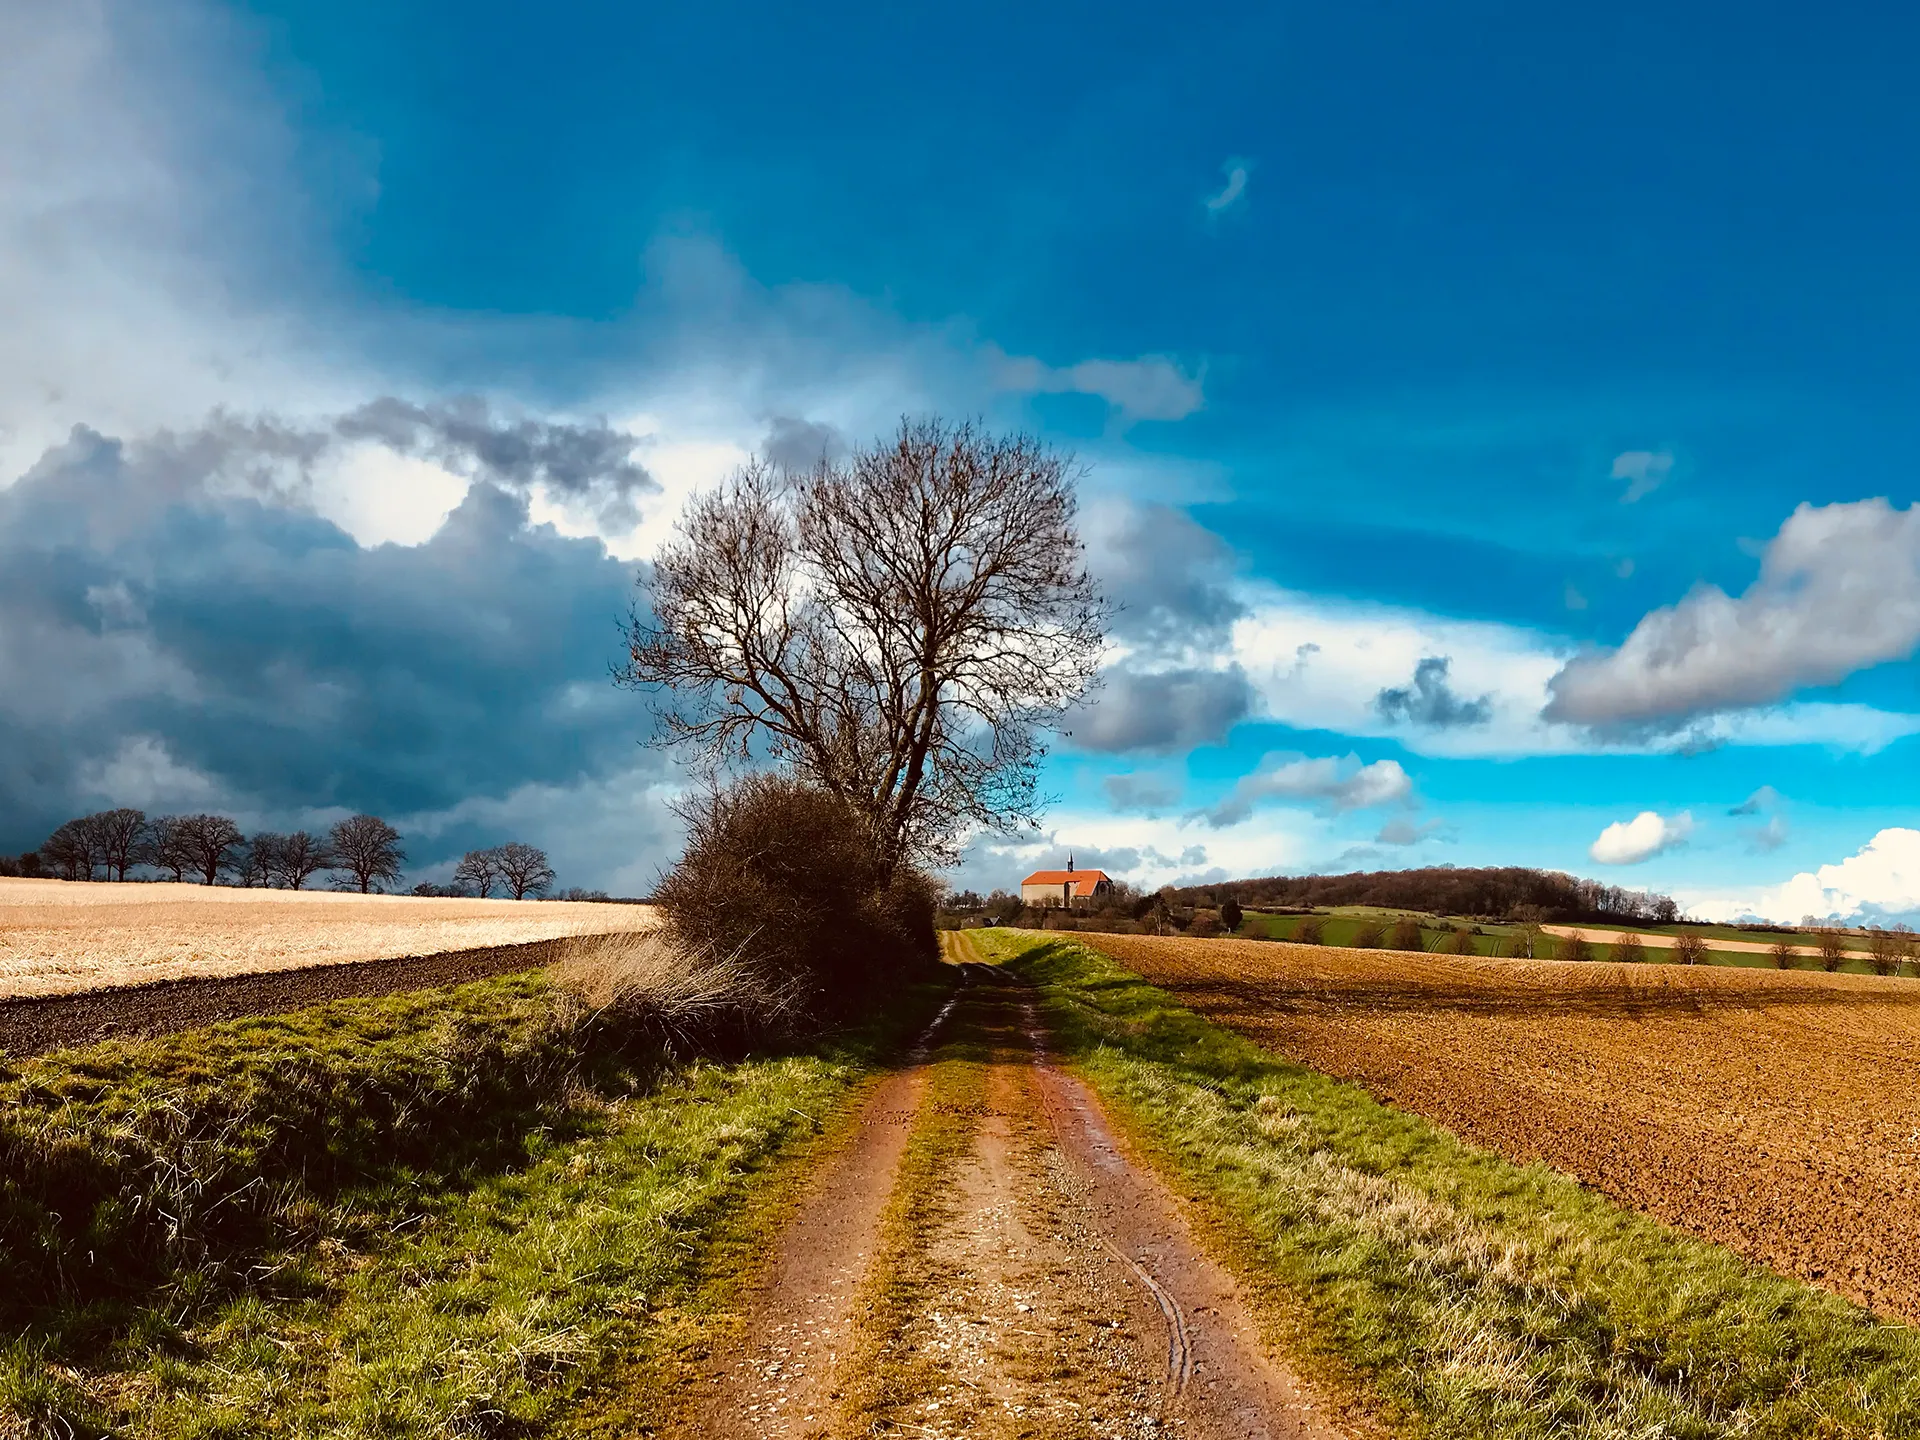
[[1495, 893], [362, 852]]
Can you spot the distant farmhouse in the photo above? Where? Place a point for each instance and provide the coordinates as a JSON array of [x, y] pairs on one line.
[[1065, 888]]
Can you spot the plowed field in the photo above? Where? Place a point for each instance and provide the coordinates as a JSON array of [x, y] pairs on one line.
[[1777, 1113]]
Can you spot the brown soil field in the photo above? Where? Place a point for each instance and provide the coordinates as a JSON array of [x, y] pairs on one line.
[[1776, 1113], [61, 938]]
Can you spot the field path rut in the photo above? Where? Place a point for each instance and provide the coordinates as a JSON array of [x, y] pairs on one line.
[[983, 1258]]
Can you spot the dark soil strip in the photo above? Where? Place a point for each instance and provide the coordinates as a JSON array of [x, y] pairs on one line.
[[34, 1025]]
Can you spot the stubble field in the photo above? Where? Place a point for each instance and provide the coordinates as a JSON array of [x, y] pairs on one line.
[[1775, 1113], [58, 938]]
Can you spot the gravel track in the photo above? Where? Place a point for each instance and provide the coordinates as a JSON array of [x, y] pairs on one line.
[[1776, 1113], [35, 1025], [1058, 1291]]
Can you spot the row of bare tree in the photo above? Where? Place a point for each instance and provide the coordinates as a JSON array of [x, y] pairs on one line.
[[210, 848]]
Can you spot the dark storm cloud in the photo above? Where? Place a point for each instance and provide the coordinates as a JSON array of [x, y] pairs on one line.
[[1431, 701], [1169, 580], [795, 444], [1162, 711], [151, 606], [590, 463]]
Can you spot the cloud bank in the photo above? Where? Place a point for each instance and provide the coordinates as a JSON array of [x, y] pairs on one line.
[[1838, 591]]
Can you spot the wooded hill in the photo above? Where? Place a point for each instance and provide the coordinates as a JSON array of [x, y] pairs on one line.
[[1494, 893]]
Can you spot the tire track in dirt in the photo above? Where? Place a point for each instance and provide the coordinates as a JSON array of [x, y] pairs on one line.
[[1035, 1282], [776, 1382]]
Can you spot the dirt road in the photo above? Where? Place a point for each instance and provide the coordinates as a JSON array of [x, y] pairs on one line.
[[986, 1260]]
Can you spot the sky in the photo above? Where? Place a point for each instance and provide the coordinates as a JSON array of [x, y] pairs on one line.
[[1497, 417]]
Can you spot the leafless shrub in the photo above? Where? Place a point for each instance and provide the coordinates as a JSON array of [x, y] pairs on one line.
[[1629, 949], [1368, 936], [1309, 931], [1406, 935], [1574, 947], [1783, 954], [1460, 942], [789, 880]]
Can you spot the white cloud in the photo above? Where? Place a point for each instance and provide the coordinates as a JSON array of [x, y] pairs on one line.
[[1838, 591], [1881, 879], [1154, 387], [1230, 193], [1338, 784], [1643, 470], [1628, 842], [1321, 664]]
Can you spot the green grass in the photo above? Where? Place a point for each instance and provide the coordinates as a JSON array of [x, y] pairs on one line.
[[438, 1214], [1479, 1297], [1341, 924]]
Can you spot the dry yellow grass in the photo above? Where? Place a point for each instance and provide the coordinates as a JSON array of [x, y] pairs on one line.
[[57, 938]]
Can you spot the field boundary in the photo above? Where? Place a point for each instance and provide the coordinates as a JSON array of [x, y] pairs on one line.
[[1482, 1296], [35, 1024]]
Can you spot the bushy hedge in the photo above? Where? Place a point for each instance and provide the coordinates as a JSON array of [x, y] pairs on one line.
[[788, 880], [129, 1164]]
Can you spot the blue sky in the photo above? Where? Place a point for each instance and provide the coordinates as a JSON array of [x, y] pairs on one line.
[[1393, 334]]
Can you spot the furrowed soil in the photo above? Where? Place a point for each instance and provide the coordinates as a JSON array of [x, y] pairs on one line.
[[1776, 1113], [985, 1259]]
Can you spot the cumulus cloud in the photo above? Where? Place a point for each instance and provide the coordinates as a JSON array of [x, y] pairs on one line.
[[1430, 700], [1153, 387], [1335, 784], [1878, 882], [1645, 471], [1838, 591], [1628, 842], [1229, 194]]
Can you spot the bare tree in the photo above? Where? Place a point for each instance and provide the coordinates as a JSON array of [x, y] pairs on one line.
[[480, 869], [167, 846], [1832, 943], [367, 848], [120, 836], [900, 629], [255, 865], [523, 869], [207, 843], [1629, 948], [1885, 948], [72, 851], [299, 858], [1689, 949], [1784, 955]]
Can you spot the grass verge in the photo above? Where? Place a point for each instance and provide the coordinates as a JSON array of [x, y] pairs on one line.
[[1479, 1297], [434, 1214]]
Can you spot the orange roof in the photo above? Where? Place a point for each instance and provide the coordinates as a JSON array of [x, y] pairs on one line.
[[1083, 881]]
